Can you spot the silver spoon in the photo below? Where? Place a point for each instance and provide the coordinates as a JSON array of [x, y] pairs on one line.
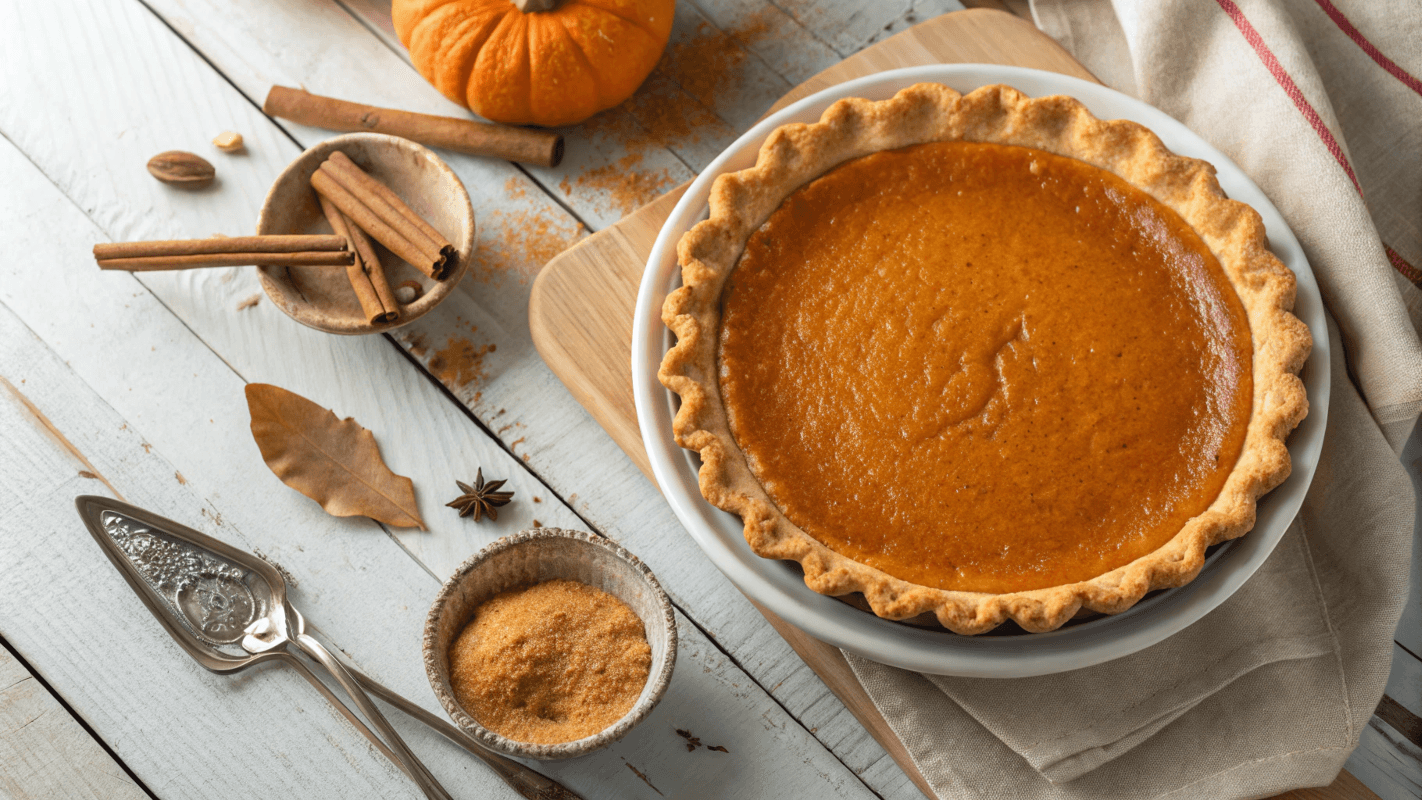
[[228, 609]]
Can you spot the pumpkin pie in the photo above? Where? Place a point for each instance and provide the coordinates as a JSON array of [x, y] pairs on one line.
[[983, 356]]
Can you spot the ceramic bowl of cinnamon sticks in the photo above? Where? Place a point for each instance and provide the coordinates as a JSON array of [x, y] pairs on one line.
[[405, 214]]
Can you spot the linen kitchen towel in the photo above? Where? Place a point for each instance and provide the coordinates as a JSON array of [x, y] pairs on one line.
[[1318, 102]]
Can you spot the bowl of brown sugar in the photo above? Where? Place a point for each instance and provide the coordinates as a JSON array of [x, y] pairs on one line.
[[550, 644]]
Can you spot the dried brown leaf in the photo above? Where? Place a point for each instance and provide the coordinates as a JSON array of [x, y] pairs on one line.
[[332, 461]]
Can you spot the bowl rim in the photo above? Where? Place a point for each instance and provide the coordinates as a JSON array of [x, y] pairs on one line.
[[427, 301], [444, 692], [775, 586]]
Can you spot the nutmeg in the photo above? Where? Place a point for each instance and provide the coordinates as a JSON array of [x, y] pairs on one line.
[[181, 169]]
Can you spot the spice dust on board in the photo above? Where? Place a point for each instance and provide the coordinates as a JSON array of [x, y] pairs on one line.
[[456, 365], [707, 65], [673, 107], [517, 243], [626, 189]]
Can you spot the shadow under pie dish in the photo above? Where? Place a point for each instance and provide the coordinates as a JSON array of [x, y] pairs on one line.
[[983, 356]]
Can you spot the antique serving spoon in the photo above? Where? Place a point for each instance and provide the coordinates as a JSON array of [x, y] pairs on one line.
[[229, 610]]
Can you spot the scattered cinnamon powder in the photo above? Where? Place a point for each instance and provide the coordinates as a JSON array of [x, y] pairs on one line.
[[704, 65], [626, 189], [673, 107], [754, 28], [660, 114], [554, 662], [459, 363], [518, 243]]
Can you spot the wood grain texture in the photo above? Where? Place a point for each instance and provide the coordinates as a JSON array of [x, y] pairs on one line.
[[45, 752]]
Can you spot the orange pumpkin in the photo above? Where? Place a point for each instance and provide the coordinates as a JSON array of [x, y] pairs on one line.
[[521, 67]]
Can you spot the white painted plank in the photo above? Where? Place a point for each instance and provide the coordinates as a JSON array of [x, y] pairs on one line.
[[1387, 763], [1404, 683], [721, 70], [543, 423], [322, 367], [423, 435], [324, 49], [564, 446], [1409, 629], [773, 35], [174, 724], [845, 25], [353, 580], [183, 731], [45, 752], [917, 12]]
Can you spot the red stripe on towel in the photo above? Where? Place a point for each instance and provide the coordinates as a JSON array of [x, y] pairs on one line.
[[1290, 88], [1301, 103], [1407, 270], [1362, 41]]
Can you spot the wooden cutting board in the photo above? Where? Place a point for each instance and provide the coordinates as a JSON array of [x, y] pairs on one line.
[[580, 309]]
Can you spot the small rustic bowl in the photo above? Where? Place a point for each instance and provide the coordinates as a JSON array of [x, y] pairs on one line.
[[321, 297], [530, 557]]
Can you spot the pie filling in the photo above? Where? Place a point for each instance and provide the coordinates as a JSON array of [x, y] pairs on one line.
[[984, 368]]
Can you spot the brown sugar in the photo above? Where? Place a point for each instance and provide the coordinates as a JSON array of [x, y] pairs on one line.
[[553, 662]]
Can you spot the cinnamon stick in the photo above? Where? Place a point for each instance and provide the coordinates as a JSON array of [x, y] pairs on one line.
[[394, 226], [218, 244], [541, 148], [370, 222], [366, 252], [350, 175], [362, 273], [328, 258]]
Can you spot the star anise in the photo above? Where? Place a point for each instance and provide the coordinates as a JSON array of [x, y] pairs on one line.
[[481, 498]]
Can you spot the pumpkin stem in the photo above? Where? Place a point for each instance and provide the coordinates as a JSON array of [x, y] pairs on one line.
[[535, 6]]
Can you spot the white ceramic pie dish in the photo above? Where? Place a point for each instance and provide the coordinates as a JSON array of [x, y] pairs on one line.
[[779, 586]]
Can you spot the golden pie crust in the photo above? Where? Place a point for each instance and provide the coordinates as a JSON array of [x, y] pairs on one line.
[[795, 155]]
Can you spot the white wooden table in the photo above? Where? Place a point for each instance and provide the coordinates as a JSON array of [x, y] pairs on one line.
[[131, 385]]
